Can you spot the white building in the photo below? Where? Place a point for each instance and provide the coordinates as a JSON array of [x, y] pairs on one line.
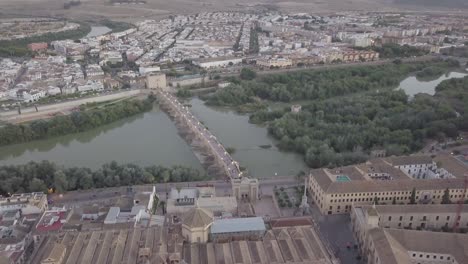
[[217, 62], [30, 96], [144, 70], [91, 85], [29, 203], [94, 71], [53, 90]]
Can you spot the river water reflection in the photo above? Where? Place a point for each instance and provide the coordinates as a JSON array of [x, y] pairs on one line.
[[412, 85]]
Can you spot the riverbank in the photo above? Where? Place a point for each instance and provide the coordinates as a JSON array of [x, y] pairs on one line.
[[86, 118]]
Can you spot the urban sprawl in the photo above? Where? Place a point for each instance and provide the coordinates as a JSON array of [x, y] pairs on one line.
[[400, 209]]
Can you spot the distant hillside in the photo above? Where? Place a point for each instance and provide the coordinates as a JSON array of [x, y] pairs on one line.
[[434, 3]]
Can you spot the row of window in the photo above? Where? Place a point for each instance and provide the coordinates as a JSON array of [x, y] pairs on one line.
[[369, 194], [423, 219], [433, 256]]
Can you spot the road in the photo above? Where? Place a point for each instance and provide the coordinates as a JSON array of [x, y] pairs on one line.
[[46, 111], [222, 187]]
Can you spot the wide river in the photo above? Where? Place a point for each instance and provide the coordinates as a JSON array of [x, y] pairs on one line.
[[152, 138]]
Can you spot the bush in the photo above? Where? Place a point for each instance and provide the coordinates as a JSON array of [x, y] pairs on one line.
[[247, 74]]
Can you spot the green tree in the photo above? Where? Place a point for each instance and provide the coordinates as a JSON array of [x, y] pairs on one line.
[[60, 182], [413, 196], [446, 197], [247, 74], [37, 185]]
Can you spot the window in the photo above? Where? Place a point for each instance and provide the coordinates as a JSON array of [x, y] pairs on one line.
[[411, 218], [401, 218], [437, 218], [448, 217], [389, 218]]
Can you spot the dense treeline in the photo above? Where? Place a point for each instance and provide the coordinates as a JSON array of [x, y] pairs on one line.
[[351, 111], [76, 122], [341, 131], [389, 51], [41, 176], [317, 85], [430, 71], [116, 26], [18, 47], [455, 91]]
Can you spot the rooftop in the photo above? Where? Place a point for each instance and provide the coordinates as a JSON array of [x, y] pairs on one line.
[[197, 217], [350, 179], [238, 225]]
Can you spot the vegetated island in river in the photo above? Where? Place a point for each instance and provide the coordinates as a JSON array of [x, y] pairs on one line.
[[348, 112], [45, 175], [90, 116]]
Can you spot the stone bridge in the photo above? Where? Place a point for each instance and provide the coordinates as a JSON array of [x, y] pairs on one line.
[[211, 153]]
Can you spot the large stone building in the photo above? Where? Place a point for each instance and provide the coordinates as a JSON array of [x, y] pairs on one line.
[[156, 81], [386, 181], [196, 225], [185, 199], [245, 189], [217, 62], [386, 234]]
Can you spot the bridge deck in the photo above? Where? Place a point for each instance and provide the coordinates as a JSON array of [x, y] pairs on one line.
[[231, 166]]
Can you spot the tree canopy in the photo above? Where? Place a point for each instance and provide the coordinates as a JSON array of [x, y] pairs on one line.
[[348, 112], [40, 176], [76, 122]]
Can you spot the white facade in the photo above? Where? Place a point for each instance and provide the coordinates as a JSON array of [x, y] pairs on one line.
[[53, 90], [94, 70], [218, 63], [30, 96], [145, 70], [91, 85]]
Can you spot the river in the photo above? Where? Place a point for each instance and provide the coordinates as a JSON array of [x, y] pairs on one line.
[[413, 85], [144, 139], [151, 138], [98, 31]]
